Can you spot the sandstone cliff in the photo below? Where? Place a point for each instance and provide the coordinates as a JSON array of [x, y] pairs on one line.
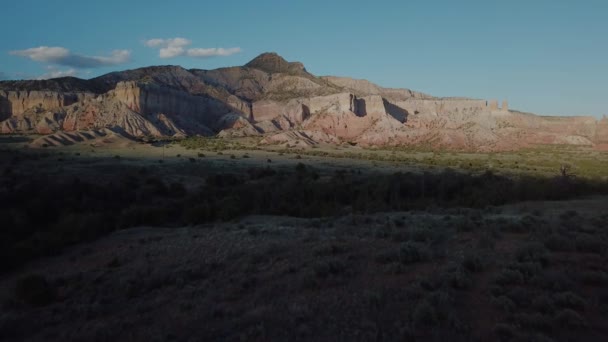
[[17, 102]]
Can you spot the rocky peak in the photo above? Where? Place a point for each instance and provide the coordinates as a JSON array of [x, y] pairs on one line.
[[271, 62]]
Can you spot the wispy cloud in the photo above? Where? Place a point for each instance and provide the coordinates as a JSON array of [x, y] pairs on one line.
[[175, 47], [53, 72], [211, 52], [169, 48], [62, 56], [3, 76]]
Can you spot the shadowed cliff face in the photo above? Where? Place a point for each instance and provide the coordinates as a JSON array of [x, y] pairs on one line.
[[270, 95]]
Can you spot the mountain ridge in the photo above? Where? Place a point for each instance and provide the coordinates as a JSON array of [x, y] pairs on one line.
[[269, 96]]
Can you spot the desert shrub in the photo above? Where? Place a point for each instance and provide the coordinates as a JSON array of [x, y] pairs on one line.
[[138, 215], [587, 243], [399, 222], [412, 252], [521, 296], [332, 267], [533, 252], [222, 180], [74, 227], [505, 332], [442, 300], [387, 256], [199, 213], [530, 222], [569, 300], [429, 234], [527, 269], [425, 315], [177, 190], [486, 241], [544, 303], [114, 263], [595, 278], [229, 208], [397, 235], [504, 303], [514, 227], [331, 249], [153, 187], [466, 225], [509, 277], [553, 280], [473, 262], [571, 319], [559, 243], [459, 279], [570, 214], [259, 173], [534, 321], [35, 290]]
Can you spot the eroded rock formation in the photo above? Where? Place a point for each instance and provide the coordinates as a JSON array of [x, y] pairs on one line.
[[281, 100]]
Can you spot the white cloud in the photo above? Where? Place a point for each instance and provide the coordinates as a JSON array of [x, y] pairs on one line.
[[55, 73], [169, 48], [62, 56], [171, 51], [175, 47], [43, 53], [154, 42], [172, 42], [211, 52]]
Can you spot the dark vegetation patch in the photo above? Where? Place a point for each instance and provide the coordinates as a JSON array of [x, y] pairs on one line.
[[384, 257], [42, 214]]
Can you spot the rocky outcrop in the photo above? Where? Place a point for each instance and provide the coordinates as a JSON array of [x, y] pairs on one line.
[[193, 114], [34, 121], [234, 125], [441, 107], [364, 88], [300, 139], [98, 137], [102, 112], [18, 102]]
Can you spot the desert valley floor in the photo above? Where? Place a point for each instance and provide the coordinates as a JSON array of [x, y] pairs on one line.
[[220, 240]]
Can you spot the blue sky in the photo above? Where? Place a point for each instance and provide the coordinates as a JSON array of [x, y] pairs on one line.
[[544, 56]]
